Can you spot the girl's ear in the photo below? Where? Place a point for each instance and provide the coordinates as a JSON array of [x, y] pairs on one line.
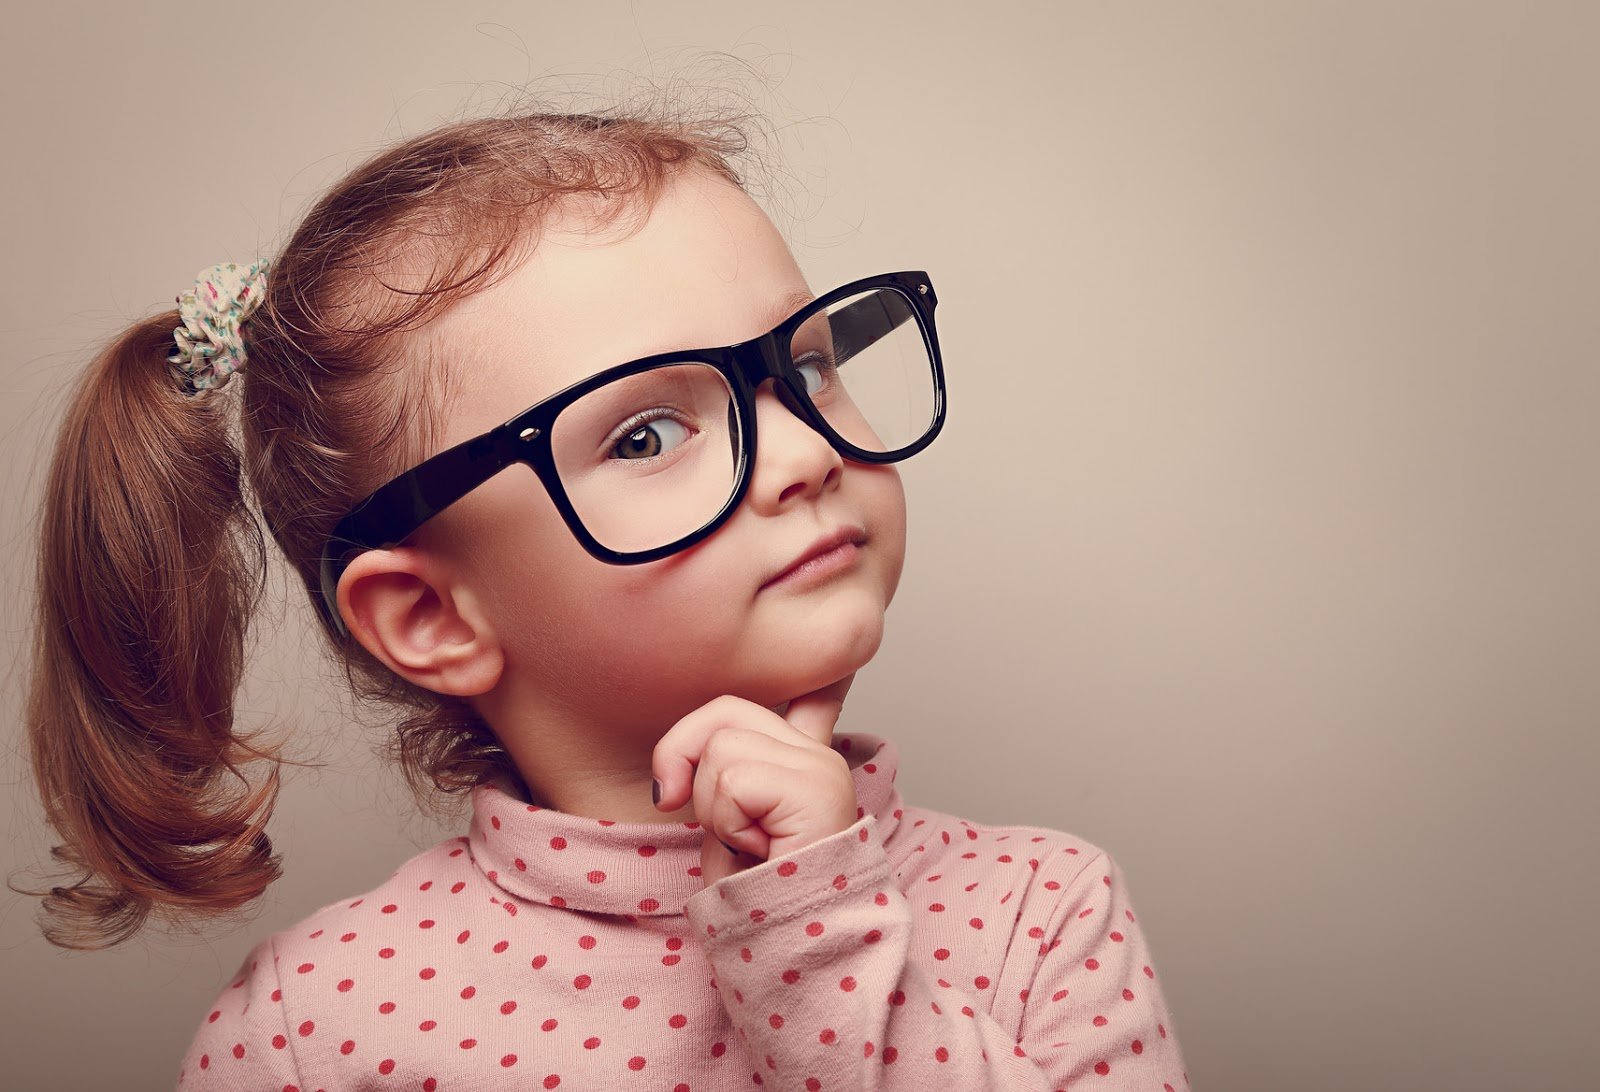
[[411, 611]]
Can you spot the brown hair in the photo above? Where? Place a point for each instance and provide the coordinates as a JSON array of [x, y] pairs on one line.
[[151, 563]]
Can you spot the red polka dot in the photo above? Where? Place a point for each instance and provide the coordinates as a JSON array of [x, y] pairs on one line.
[[347, 1046], [426, 973], [1138, 1047], [307, 1028], [468, 1044], [847, 983], [1102, 1068], [508, 1061], [788, 868], [942, 1054], [238, 1050], [345, 984], [636, 1063], [814, 929], [890, 1054], [386, 1066], [828, 1036], [507, 1008], [1092, 963], [1100, 1021]]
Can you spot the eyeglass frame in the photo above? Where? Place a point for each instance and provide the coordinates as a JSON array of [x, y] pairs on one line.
[[393, 511]]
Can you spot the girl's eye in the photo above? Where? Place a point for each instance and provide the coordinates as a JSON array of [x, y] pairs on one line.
[[822, 368], [647, 437]]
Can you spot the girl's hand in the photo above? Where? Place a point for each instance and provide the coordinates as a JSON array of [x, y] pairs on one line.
[[762, 784]]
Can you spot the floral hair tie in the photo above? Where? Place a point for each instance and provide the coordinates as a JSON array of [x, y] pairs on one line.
[[210, 344]]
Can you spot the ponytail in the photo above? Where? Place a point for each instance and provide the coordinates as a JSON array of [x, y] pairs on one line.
[[150, 566]]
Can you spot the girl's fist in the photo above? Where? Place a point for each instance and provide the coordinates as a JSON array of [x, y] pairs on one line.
[[763, 785]]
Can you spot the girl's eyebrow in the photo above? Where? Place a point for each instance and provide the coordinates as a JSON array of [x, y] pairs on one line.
[[789, 304]]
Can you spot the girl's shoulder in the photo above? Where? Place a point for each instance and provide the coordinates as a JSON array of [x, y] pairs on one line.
[[1037, 862], [376, 932], [324, 972]]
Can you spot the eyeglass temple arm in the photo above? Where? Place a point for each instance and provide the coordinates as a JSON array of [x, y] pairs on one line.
[[400, 507], [869, 318]]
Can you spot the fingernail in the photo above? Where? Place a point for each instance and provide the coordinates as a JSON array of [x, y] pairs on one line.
[[729, 848], [655, 790]]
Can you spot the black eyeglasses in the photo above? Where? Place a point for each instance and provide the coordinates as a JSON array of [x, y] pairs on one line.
[[652, 456]]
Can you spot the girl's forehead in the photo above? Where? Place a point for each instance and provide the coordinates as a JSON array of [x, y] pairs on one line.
[[706, 268]]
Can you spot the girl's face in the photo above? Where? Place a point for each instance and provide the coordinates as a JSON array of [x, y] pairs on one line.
[[561, 650]]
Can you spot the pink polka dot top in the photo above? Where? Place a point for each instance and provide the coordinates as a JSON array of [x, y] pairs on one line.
[[546, 950]]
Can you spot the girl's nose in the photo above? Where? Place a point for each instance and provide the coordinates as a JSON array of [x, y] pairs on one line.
[[792, 458]]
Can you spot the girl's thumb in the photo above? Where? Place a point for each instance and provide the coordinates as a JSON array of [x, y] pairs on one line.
[[816, 713]]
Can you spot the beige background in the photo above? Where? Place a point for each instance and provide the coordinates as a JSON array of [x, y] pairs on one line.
[[1261, 544]]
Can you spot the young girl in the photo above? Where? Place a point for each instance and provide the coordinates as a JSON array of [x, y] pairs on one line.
[[581, 475]]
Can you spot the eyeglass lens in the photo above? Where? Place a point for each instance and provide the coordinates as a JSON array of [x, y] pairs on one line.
[[654, 457]]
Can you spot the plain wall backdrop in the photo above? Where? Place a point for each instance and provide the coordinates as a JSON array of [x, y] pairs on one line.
[[1260, 546]]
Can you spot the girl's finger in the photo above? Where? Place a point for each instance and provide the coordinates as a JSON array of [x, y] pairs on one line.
[[679, 751], [727, 754], [816, 713], [731, 807]]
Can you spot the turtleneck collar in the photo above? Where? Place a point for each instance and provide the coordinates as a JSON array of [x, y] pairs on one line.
[[602, 866]]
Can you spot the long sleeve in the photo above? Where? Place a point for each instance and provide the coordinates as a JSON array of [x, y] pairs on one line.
[[244, 1043], [810, 956], [1094, 1009]]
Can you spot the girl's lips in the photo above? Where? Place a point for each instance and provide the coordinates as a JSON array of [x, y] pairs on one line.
[[819, 568]]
